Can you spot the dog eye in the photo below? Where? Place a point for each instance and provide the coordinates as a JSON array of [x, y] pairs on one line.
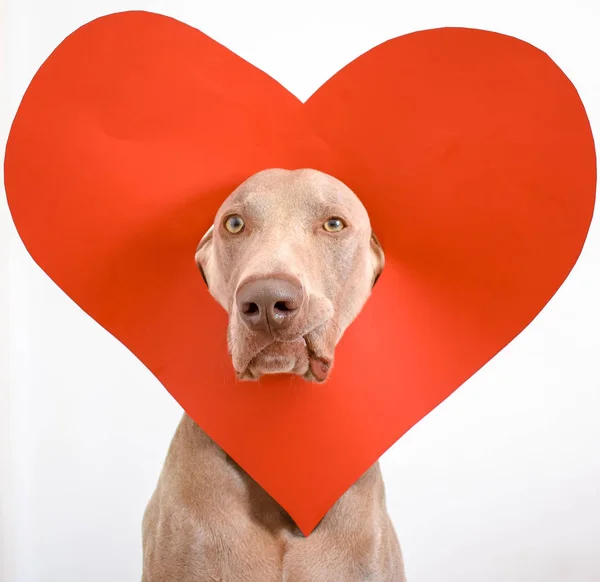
[[234, 224], [334, 224]]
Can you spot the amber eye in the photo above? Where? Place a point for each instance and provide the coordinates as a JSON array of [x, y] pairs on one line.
[[234, 224], [334, 224]]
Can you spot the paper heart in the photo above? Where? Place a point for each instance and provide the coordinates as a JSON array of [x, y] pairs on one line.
[[471, 151]]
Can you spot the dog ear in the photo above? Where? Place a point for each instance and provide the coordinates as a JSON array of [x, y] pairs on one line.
[[378, 258], [203, 252]]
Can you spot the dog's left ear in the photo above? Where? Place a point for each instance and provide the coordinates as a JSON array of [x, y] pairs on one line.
[[378, 258], [203, 253]]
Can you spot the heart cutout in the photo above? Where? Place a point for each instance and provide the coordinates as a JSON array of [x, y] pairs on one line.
[[471, 151]]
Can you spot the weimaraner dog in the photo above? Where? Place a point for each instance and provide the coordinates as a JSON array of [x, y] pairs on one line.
[[292, 258]]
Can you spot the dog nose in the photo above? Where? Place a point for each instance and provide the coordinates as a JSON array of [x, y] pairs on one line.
[[270, 303]]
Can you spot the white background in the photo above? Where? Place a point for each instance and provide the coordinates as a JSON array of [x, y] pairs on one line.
[[501, 483]]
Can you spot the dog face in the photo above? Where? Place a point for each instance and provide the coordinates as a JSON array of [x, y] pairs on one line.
[[292, 258]]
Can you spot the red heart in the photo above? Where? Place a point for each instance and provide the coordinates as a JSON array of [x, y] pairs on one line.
[[470, 149]]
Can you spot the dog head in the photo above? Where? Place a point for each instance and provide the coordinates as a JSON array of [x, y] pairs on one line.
[[292, 258]]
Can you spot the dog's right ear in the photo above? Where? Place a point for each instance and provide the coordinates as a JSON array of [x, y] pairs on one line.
[[203, 253]]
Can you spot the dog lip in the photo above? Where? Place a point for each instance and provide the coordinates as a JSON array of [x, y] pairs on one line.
[[299, 339], [325, 362], [313, 353], [246, 372], [318, 367]]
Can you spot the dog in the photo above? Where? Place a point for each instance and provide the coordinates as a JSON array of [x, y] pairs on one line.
[[292, 259]]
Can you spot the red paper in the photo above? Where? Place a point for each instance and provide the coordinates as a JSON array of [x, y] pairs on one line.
[[471, 151]]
